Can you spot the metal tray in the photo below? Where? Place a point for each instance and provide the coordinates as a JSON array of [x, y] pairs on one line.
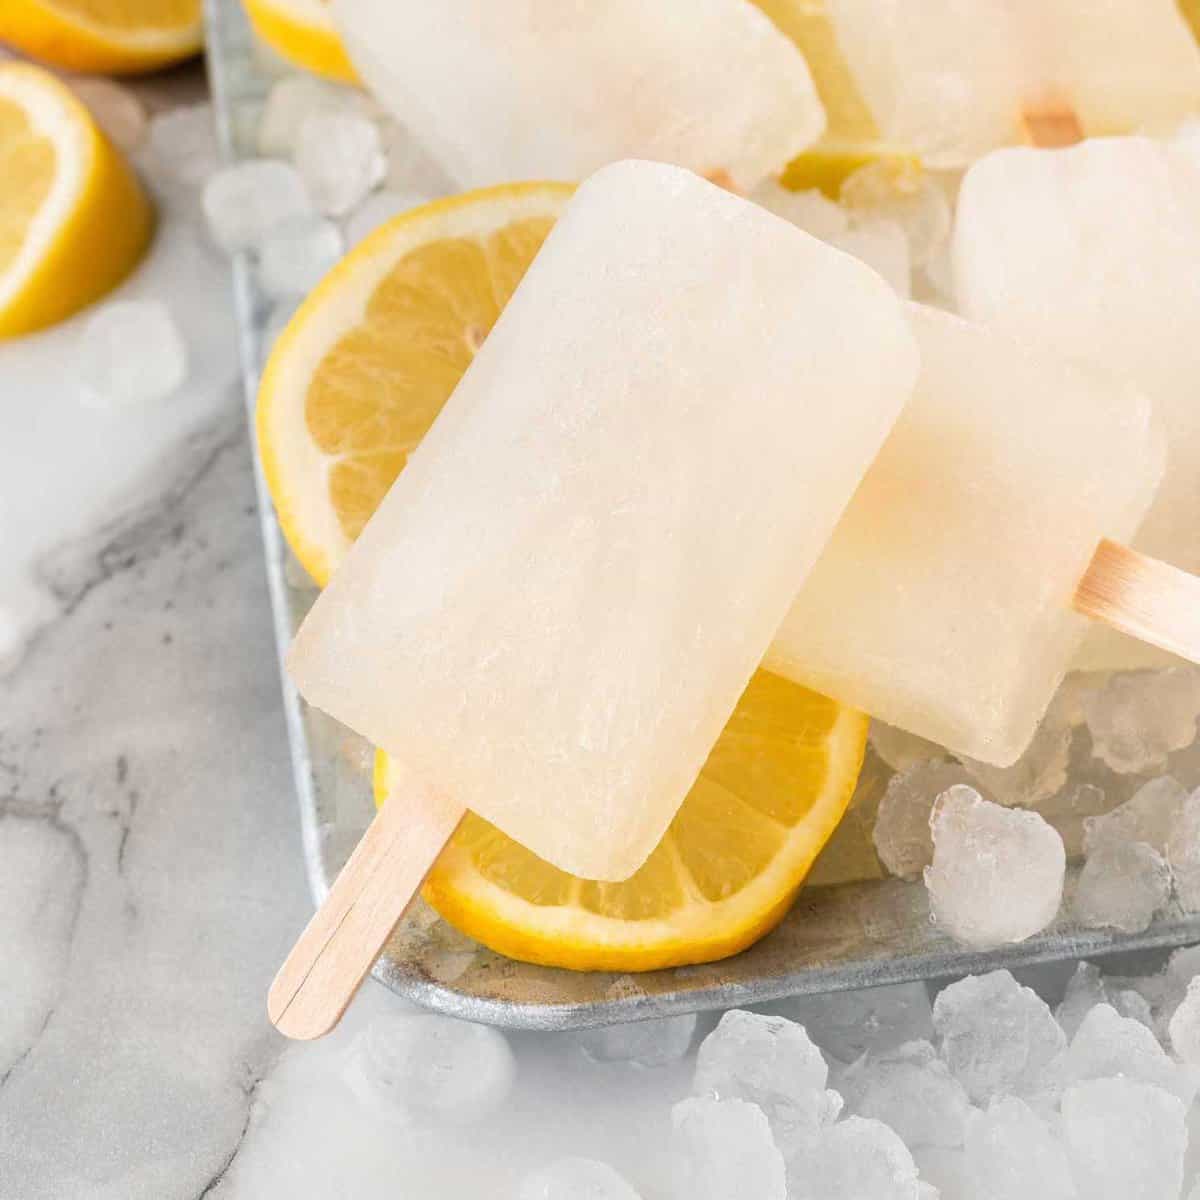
[[852, 927]]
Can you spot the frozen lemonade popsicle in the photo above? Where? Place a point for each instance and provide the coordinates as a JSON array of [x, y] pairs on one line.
[[553, 89], [555, 609], [1094, 250], [942, 604], [953, 79]]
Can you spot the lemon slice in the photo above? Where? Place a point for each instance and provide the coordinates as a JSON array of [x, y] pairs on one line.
[[302, 31], [73, 219], [770, 795], [367, 362], [851, 137], [104, 37]]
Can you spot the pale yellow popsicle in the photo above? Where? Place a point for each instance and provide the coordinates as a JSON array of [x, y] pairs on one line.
[[942, 603], [555, 609]]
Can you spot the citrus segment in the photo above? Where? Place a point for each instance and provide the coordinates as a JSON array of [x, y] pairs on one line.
[[110, 37], [773, 790], [366, 364], [73, 218], [302, 31]]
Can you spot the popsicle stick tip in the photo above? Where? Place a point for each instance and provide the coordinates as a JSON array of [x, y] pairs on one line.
[[380, 880], [1051, 125], [1143, 597]]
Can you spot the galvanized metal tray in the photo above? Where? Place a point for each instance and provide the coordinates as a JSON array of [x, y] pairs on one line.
[[852, 926]]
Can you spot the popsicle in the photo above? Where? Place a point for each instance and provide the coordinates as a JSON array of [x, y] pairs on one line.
[[943, 602], [1094, 250], [553, 89], [953, 80], [555, 609]]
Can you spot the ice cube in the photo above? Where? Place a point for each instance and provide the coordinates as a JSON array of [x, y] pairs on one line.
[[247, 203], [946, 1170], [117, 110], [1013, 1155], [1069, 811], [646, 1043], [340, 157], [900, 749], [728, 1149], [1147, 816], [1085, 990], [1132, 1004], [1140, 717], [576, 1179], [883, 246], [857, 1158], [1125, 1140], [997, 873], [1122, 885], [1184, 1027], [433, 1067], [902, 836], [1107, 1044], [375, 210], [181, 144], [810, 210], [1036, 776], [997, 1037], [908, 197], [771, 1062], [1183, 853], [848, 1024], [911, 1090], [292, 260], [131, 353], [290, 102]]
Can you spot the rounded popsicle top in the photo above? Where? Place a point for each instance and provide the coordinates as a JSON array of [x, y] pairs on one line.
[[554, 611]]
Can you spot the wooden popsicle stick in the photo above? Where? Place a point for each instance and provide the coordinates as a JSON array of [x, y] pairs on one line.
[[1143, 597], [379, 881], [1051, 125]]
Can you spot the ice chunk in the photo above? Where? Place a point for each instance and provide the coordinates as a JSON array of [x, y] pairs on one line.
[[290, 102], [1085, 990], [901, 749], [1069, 811], [1184, 1027], [997, 873], [131, 353], [340, 157], [946, 1170], [857, 1158], [997, 1037], [647, 1043], [1140, 717], [848, 1024], [771, 1062], [249, 202], [907, 197], [902, 836], [729, 1151], [181, 146], [1107, 1044], [1183, 853], [911, 1090], [292, 260], [576, 1179], [810, 210], [1125, 1140], [1147, 816], [1037, 775], [1121, 886], [117, 110], [1013, 1155], [375, 210], [433, 1067], [881, 244]]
